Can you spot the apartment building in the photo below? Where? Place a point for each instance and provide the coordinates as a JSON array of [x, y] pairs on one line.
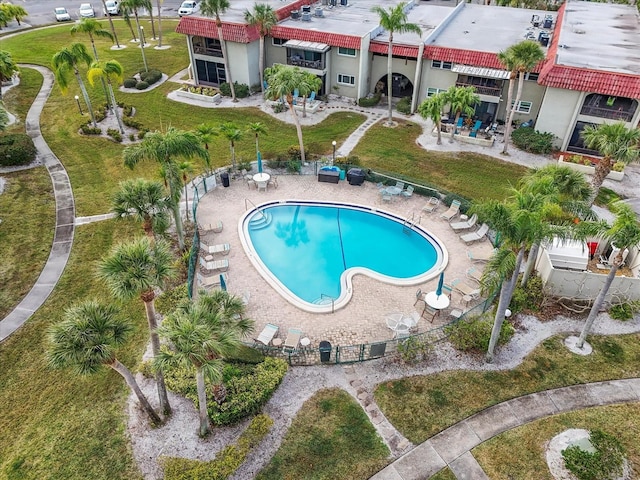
[[590, 74]]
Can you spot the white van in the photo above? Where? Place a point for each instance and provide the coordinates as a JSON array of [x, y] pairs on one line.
[[113, 7]]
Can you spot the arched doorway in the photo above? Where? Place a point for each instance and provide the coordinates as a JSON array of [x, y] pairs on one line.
[[401, 86]]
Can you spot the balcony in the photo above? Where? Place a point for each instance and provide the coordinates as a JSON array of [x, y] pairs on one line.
[[481, 89], [610, 113], [298, 61]]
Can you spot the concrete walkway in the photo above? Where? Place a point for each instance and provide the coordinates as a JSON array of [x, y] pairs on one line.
[[65, 215], [452, 447]]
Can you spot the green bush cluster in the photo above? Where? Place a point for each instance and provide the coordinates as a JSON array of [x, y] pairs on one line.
[[101, 114], [404, 105], [151, 77], [241, 89], [129, 82], [465, 204], [529, 298], [169, 300], [87, 129], [606, 463], [294, 166], [414, 349], [370, 101], [115, 134], [227, 460], [142, 85], [279, 107], [16, 149], [530, 140], [130, 122], [127, 110], [207, 91], [624, 311], [473, 334]]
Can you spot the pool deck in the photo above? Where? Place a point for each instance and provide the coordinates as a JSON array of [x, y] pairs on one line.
[[363, 319]]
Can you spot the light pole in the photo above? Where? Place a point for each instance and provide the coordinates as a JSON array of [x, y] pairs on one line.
[[142, 42], [78, 103], [334, 152]]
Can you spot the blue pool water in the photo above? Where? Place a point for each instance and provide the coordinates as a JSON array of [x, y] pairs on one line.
[[308, 248]]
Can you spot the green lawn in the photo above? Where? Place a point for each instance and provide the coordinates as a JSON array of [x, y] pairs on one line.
[[421, 406], [330, 438], [519, 454]]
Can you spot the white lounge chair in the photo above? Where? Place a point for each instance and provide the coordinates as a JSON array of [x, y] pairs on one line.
[[215, 227], [454, 209], [479, 256], [474, 274], [464, 225], [209, 281], [222, 248], [475, 236], [431, 205], [207, 264], [465, 290], [268, 332], [292, 341]]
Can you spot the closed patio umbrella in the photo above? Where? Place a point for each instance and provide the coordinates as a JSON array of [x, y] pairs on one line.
[[440, 282], [223, 284], [259, 162]]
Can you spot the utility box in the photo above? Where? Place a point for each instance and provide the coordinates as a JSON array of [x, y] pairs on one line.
[[355, 176]]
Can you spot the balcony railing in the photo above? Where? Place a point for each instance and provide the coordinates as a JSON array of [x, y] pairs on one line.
[[298, 62], [609, 113], [212, 52], [482, 90]]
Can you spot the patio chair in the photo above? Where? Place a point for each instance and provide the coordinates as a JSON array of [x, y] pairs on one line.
[[393, 320], [464, 225], [400, 185], [419, 297], [268, 332], [479, 256], [429, 313], [474, 274], [273, 181], [431, 205], [386, 197], [454, 209], [475, 236], [408, 192], [401, 331], [292, 341], [211, 265]]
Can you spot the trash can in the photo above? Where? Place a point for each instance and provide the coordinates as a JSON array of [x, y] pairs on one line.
[[355, 176], [224, 177], [325, 351], [341, 174]]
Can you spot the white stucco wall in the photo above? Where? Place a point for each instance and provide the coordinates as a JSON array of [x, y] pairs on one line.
[[345, 65], [557, 114], [435, 78], [243, 62]]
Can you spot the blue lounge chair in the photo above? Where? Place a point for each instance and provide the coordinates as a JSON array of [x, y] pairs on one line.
[[312, 97]]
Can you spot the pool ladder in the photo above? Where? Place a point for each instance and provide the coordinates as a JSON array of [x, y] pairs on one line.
[[408, 224]]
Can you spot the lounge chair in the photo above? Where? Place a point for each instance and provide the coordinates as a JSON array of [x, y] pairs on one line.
[[454, 209], [408, 192], [465, 290], [208, 281], [464, 225], [215, 227], [292, 341], [267, 334], [207, 264], [222, 248], [479, 256], [475, 236], [431, 205], [312, 97], [474, 274]]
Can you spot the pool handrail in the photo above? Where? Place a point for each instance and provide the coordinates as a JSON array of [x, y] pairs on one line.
[[246, 200]]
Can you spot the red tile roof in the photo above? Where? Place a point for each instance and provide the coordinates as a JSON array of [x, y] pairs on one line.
[[333, 39], [206, 27], [465, 57], [399, 50]]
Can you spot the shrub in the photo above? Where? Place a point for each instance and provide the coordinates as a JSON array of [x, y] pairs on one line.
[[279, 107], [530, 298], [244, 165], [413, 349], [404, 105], [100, 114], [227, 460], [169, 300], [618, 166], [371, 101], [16, 149], [473, 334], [294, 166], [607, 462], [129, 82], [142, 133], [530, 140], [127, 111], [87, 129], [130, 122], [115, 134], [132, 137], [151, 77], [277, 164], [241, 89], [142, 85], [624, 311]]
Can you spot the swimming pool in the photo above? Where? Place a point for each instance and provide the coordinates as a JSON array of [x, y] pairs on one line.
[[309, 251]]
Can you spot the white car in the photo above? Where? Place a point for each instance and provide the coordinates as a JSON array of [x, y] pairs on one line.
[[187, 8], [113, 7], [86, 10], [61, 14]]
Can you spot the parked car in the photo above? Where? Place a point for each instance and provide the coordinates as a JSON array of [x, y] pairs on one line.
[[113, 7], [86, 10], [61, 14], [187, 8]]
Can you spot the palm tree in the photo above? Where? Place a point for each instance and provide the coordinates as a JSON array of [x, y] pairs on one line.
[[127, 10], [232, 133], [135, 269], [518, 59], [159, 6], [315, 84], [132, 6], [201, 335], [215, 8], [264, 19], [146, 201], [282, 81], [394, 20], [616, 143], [257, 128], [148, 6], [461, 100], [93, 28], [432, 108], [565, 188], [86, 341], [624, 233], [163, 148], [185, 168], [113, 29], [66, 61], [15, 11], [7, 68], [110, 70], [206, 132]]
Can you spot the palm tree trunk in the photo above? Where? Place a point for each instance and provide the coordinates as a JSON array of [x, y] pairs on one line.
[[439, 127], [159, 3], [150, 310], [257, 146], [304, 106], [133, 33], [113, 30], [175, 209], [531, 261], [202, 403], [115, 108], [233, 155], [225, 56], [296, 120], [599, 301], [506, 292], [153, 27], [455, 126], [95, 55], [261, 64], [186, 201], [135, 388], [602, 170], [511, 110], [85, 95], [389, 74]]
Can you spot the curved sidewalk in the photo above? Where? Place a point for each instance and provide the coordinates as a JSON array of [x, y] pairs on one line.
[[452, 447], [65, 215]]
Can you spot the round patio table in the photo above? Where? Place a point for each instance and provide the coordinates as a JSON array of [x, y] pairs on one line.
[[436, 301]]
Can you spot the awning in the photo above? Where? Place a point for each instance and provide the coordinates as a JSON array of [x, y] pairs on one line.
[[310, 46], [481, 72]]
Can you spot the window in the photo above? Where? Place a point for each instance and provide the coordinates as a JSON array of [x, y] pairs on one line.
[[432, 91], [346, 79], [278, 42], [349, 52], [531, 76], [442, 65], [523, 107]]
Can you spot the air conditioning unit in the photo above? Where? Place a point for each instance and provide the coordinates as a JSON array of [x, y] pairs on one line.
[[343, 3], [319, 12], [306, 8], [295, 14], [306, 16]]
